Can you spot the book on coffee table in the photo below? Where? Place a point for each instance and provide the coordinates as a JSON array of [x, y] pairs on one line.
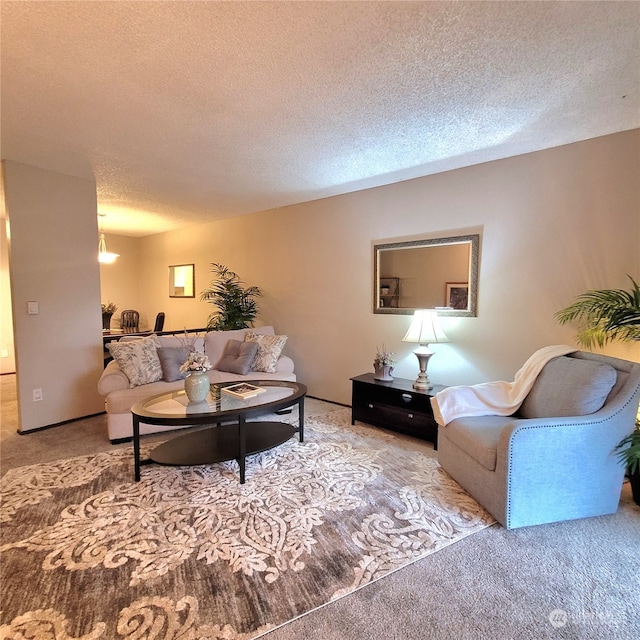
[[243, 390]]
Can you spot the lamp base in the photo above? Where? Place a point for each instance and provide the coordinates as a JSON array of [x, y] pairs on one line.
[[422, 382]]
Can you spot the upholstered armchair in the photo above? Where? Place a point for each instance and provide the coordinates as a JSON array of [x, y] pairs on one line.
[[555, 458]]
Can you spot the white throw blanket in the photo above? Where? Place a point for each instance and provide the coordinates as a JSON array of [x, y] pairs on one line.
[[493, 398]]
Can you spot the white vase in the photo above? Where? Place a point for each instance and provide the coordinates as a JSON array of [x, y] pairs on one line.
[[196, 385], [383, 373]]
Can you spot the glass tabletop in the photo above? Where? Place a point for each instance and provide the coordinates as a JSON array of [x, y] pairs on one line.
[[175, 404]]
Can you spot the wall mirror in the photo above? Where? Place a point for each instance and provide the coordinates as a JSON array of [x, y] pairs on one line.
[[182, 283], [434, 273]]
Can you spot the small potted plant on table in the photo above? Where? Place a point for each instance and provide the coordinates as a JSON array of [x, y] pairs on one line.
[[383, 364]]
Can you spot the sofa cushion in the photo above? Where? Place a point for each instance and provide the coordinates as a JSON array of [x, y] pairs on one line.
[[269, 350], [138, 359], [238, 357], [193, 342], [569, 387], [171, 358], [215, 342], [122, 400]]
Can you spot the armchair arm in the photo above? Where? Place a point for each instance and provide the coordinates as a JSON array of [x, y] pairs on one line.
[[112, 379], [568, 438], [284, 365], [561, 468]]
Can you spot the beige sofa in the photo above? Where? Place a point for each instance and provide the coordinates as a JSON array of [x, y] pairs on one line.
[[120, 395]]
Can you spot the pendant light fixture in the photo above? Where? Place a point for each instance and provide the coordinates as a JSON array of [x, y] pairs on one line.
[[104, 256]]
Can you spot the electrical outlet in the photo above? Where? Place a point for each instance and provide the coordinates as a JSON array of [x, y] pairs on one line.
[[37, 395], [5, 353]]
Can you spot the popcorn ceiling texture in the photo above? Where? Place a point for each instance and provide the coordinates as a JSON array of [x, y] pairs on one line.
[[189, 111]]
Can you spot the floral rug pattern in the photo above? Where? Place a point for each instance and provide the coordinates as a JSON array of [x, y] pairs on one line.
[[188, 552]]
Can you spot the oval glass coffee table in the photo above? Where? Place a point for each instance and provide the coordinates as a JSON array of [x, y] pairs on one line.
[[231, 436]]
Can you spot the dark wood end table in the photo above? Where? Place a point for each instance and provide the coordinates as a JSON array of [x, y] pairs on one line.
[[394, 405]]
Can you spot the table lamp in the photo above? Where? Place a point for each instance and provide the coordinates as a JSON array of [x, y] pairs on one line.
[[425, 329]]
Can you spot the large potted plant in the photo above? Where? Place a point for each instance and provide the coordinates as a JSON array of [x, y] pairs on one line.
[[629, 454], [236, 304], [605, 315]]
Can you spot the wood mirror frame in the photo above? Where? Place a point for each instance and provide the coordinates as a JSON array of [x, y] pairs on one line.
[[440, 273]]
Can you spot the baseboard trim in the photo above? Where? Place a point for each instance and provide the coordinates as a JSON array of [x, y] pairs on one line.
[[339, 404], [58, 424]]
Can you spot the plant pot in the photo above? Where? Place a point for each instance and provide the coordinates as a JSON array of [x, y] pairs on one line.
[[106, 321], [634, 480], [383, 373], [196, 386]]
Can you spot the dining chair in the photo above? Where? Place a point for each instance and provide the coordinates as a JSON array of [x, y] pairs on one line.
[[159, 322], [130, 320]]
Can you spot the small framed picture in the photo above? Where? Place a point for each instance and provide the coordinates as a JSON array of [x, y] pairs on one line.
[[457, 295]]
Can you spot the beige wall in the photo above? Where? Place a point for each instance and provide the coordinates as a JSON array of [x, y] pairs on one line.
[[120, 282], [553, 224], [53, 256]]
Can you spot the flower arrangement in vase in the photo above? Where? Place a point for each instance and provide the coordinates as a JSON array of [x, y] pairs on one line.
[[196, 384], [107, 311], [383, 364], [188, 341], [196, 361]]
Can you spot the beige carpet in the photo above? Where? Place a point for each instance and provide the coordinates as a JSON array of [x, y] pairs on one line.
[[191, 553]]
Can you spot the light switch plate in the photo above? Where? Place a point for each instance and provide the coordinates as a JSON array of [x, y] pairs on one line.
[[32, 308]]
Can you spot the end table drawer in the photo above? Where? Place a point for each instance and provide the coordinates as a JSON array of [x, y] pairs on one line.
[[405, 420], [395, 397]]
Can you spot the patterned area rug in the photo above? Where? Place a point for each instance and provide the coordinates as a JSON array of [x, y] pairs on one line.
[[188, 552]]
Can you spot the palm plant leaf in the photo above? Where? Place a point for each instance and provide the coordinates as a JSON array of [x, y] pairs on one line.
[[604, 315], [236, 307], [629, 451]]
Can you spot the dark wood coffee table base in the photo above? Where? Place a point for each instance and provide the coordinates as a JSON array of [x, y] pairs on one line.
[[220, 443], [229, 435]]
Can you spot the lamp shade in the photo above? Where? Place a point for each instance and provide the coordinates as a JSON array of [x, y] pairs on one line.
[[425, 328]]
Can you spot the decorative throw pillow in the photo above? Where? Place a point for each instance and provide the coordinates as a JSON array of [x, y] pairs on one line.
[[171, 358], [269, 350], [569, 387], [138, 359], [238, 357]]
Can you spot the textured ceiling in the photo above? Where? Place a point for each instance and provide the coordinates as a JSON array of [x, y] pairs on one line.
[[189, 111]]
